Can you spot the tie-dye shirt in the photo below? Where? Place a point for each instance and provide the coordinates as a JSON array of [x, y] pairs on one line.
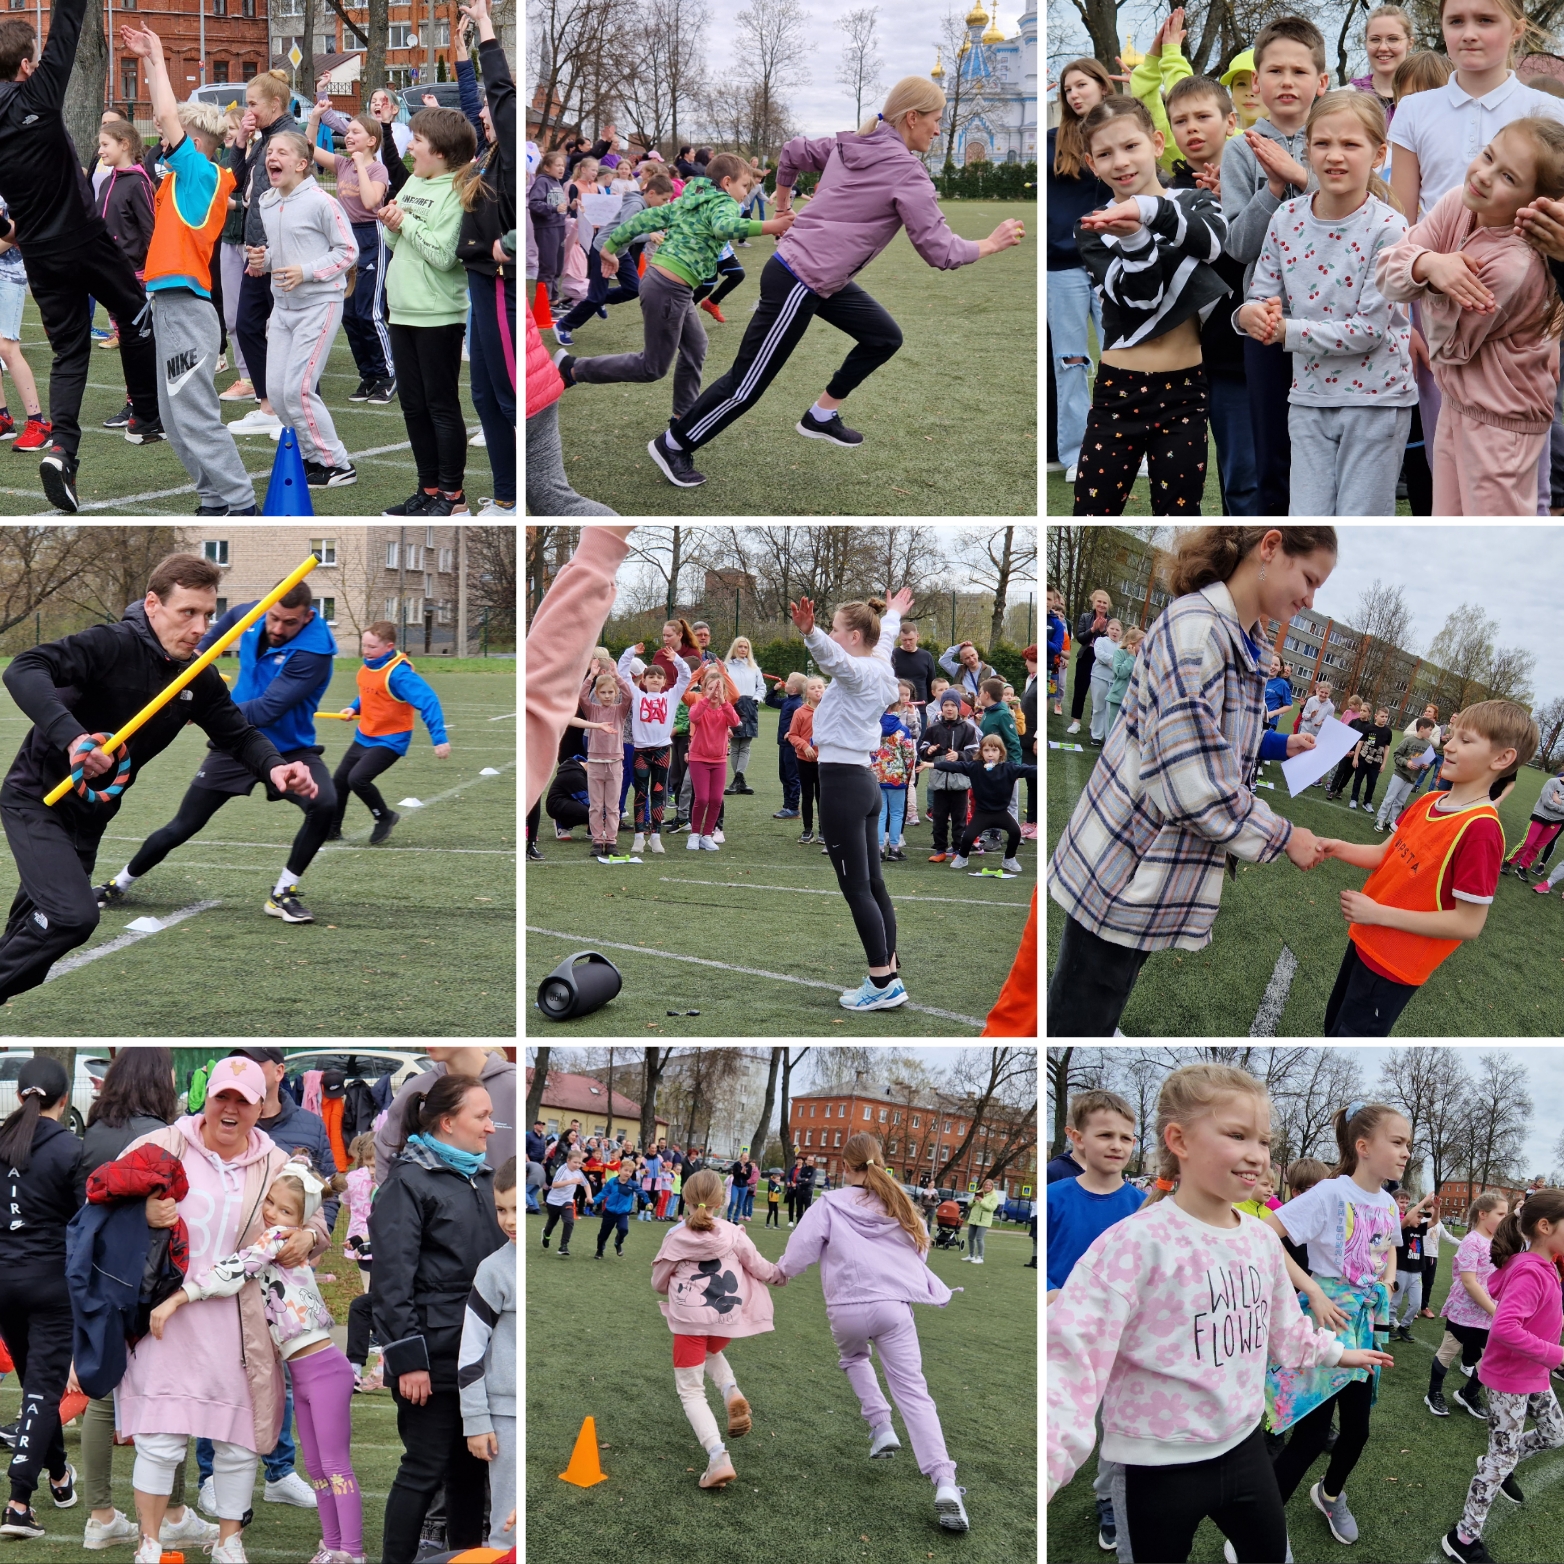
[[1472, 1254], [1169, 1323]]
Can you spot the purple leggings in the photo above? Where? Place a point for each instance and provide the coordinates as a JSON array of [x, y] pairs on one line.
[[889, 1327], [322, 1402]]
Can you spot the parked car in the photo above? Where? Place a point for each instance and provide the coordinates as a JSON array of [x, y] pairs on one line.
[[370, 1063], [230, 94], [1017, 1210], [447, 93], [88, 1082]]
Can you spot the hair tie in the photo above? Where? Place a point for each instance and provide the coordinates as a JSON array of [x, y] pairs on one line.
[[1164, 1184], [30, 1091], [1354, 1109]]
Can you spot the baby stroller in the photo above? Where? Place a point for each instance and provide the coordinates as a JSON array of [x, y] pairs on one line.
[[947, 1221]]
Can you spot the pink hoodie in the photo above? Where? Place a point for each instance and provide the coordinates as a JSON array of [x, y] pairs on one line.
[[865, 1254], [713, 1282], [1523, 1341]]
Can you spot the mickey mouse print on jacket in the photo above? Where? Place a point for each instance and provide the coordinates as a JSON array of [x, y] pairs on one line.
[[1350, 345], [713, 1282], [295, 1310]]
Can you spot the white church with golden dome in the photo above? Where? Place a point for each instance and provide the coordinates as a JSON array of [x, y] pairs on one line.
[[1003, 72]]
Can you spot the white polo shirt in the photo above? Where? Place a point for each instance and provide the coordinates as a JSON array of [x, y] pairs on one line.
[[1446, 128]]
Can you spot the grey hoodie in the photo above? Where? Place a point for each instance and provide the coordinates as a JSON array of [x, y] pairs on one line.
[[1247, 202], [308, 228], [499, 1080], [486, 1365]]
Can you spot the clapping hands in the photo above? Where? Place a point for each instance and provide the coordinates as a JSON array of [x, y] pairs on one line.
[[1262, 319], [1280, 167]]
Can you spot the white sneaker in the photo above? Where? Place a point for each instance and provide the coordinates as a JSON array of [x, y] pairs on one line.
[[105, 1534], [1074, 727], [230, 1552], [1069, 476], [948, 1506], [149, 1551], [639, 844], [693, 845], [1144, 470], [718, 838], [207, 1498], [656, 844], [478, 439], [1352, 803], [256, 422], [1013, 865], [884, 1444], [709, 843], [958, 863], [191, 1529], [292, 1489], [977, 1259]]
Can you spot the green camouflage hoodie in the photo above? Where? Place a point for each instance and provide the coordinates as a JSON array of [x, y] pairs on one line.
[[698, 224]]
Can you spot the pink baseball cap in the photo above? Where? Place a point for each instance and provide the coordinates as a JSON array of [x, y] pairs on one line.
[[238, 1074]]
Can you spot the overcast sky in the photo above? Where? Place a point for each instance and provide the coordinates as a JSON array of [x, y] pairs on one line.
[[937, 1059]]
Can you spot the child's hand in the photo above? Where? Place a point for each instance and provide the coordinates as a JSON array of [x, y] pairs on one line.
[[484, 1447], [164, 1312], [288, 277], [638, 648], [608, 264], [1174, 34], [1297, 743], [1303, 848], [1279, 165], [1358, 908], [1209, 177], [1363, 1358], [1122, 218], [1541, 225], [347, 711], [1262, 320], [1456, 276]]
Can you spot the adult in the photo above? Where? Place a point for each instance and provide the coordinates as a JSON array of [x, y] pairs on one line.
[[137, 1097], [741, 1173], [537, 1150], [1073, 191], [1091, 623], [916, 665], [686, 168], [929, 1197], [1029, 739], [605, 145], [749, 679], [214, 1372], [871, 184], [806, 1188], [431, 1226], [266, 115], [498, 1075], [980, 1217], [44, 1185], [790, 1184], [967, 670]]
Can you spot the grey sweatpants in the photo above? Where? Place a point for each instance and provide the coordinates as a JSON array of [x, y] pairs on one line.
[[548, 489], [185, 330], [502, 1482], [298, 343], [738, 753], [672, 327], [1345, 460]]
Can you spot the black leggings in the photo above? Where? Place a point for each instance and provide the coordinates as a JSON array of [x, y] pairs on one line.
[[1166, 1504], [1307, 1440], [1084, 659], [729, 275], [850, 824], [651, 789], [356, 773], [555, 1214], [1161, 417], [809, 790], [1091, 983], [428, 385], [1473, 1339], [534, 820], [361, 1330], [991, 820], [35, 1320]]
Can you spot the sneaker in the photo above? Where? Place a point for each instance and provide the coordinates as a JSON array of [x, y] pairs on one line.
[[241, 391], [230, 1552], [719, 1470], [291, 1489], [105, 1534], [480, 439], [1512, 1490], [106, 895], [191, 1529], [256, 421], [638, 844], [1013, 865], [144, 431], [948, 1507], [867, 997], [64, 1494], [884, 1444], [416, 504], [534, 854], [675, 463], [445, 505], [1075, 727], [319, 476], [1471, 1397], [712, 310], [938, 857], [212, 510], [717, 836], [957, 861], [384, 391], [1230, 1553], [806, 839], [7, 426], [977, 1259], [1028, 833], [149, 1550], [561, 834], [832, 429], [656, 844], [1467, 1552], [1541, 890], [383, 827], [709, 843], [1342, 1526], [34, 436], [119, 419], [362, 394], [20, 1523], [564, 362], [1107, 1527], [786, 814], [288, 907], [739, 1422], [1069, 476], [563, 337], [58, 474], [694, 843], [206, 1499]]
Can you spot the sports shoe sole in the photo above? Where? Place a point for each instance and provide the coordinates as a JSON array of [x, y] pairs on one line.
[[272, 910], [1482, 1417], [878, 1004], [667, 472], [340, 478], [820, 434], [60, 488], [1435, 1410], [738, 1418]]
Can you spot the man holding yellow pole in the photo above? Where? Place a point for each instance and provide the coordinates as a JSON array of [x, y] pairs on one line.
[[93, 683]]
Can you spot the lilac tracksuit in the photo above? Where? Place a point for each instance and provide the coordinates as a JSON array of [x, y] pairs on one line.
[[871, 1273]]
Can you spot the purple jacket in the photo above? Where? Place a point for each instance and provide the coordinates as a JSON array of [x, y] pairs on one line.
[[870, 186], [1366, 84], [865, 1254]]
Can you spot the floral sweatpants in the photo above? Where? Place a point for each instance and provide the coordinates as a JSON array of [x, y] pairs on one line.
[[1508, 1446]]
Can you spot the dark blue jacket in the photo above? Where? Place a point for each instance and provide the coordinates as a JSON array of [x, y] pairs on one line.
[[1057, 630], [279, 688], [618, 1199], [788, 704], [537, 1147]]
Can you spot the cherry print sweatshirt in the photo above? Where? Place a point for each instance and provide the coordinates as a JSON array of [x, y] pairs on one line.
[[1169, 1323], [1350, 345]]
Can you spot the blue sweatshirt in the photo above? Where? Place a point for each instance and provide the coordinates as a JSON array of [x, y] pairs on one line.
[[1069, 200], [280, 688], [405, 685], [1076, 1218], [1278, 694], [788, 705], [618, 1198]]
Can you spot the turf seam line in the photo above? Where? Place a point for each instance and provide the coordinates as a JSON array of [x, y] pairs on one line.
[[282, 847], [804, 890], [726, 966], [130, 937], [502, 716]]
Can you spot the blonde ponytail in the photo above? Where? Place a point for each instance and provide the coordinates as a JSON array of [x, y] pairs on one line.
[[702, 1198], [862, 1154], [912, 94]]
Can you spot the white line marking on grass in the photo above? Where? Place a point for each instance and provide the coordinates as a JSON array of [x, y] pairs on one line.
[[799, 890], [725, 966], [502, 717], [70, 963], [450, 792], [1268, 1017]]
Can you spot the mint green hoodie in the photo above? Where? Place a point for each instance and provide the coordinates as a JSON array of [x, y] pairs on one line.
[[426, 285]]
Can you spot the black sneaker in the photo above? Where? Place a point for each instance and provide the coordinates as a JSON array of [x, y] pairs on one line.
[[383, 827], [20, 1523], [288, 907], [1107, 1529], [416, 504], [1512, 1490], [362, 394], [8, 1434], [533, 854], [806, 839], [317, 475], [211, 510], [334, 834], [564, 362], [832, 429], [445, 505], [107, 894], [57, 472], [64, 1492], [1435, 1402], [1467, 1552], [144, 432], [676, 465], [384, 391], [1471, 1397], [120, 419]]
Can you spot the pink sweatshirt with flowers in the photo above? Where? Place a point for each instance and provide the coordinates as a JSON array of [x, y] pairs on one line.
[[1169, 1323]]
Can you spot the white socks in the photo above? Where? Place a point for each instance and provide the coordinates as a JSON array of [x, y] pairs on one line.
[[124, 879], [822, 413], [286, 881]]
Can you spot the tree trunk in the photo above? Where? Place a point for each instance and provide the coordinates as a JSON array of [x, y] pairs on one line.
[[651, 1077], [83, 107], [673, 572], [1059, 1070], [996, 628], [759, 1137], [610, 1093], [375, 61], [788, 1061], [304, 77], [539, 1083]]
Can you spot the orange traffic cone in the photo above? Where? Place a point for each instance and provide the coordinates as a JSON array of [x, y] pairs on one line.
[[540, 310], [584, 1470], [640, 268]]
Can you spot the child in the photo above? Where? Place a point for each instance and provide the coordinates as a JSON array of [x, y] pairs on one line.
[[1523, 1346], [301, 1327], [1410, 760], [664, 1191], [949, 791], [800, 739], [993, 778], [1492, 335], [546, 201], [1124, 659], [787, 697], [1158, 76], [1150, 255], [309, 252], [773, 1201], [651, 727], [1302, 1176], [1105, 1345], [871, 1244], [1260, 170], [616, 1203], [390, 695], [712, 715], [1547, 819], [426, 289], [124, 202], [707, 1269], [676, 1193], [486, 1365], [1408, 1296], [1387, 38], [1317, 709], [650, 189], [1354, 719], [1102, 682], [1264, 1197], [358, 1195], [1400, 929], [894, 764], [749, 680], [1239, 79], [1468, 1307], [1101, 1131], [604, 695], [1058, 636], [1313, 291], [1182, 782], [995, 717], [1370, 757], [561, 1200], [1278, 694], [911, 715], [1432, 1241], [13, 296]]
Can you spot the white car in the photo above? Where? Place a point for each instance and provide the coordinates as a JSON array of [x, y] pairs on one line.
[[90, 1070], [366, 1063]]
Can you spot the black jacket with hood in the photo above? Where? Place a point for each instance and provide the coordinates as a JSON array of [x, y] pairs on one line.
[[494, 212], [251, 181]]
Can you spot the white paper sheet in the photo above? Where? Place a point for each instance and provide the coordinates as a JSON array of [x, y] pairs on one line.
[[1334, 740]]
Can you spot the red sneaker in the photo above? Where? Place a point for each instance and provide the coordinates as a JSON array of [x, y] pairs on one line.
[[35, 436], [938, 857], [7, 427], [712, 310]]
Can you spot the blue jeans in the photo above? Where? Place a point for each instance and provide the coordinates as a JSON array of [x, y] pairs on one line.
[[735, 1203], [1071, 302], [1234, 444], [893, 810], [749, 1201], [280, 1461]]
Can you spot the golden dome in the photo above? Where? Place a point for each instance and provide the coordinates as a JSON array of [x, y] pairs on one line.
[[1131, 57], [993, 35], [976, 17], [938, 72]]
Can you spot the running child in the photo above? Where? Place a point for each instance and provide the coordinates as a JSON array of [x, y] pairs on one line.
[[707, 1270], [561, 1200], [713, 716], [605, 694], [870, 1244], [801, 740], [616, 1204], [651, 726], [1468, 1308], [34, 432], [124, 201], [1401, 926], [993, 782], [486, 1362], [1523, 1347], [1107, 1342], [390, 695], [1547, 820]]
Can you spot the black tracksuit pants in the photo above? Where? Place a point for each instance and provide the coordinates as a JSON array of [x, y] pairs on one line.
[[61, 286], [982, 820], [35, 1320], [775, 329], [356, 773], [361, 1330], [255, 309], [949, 815], [728, 276]]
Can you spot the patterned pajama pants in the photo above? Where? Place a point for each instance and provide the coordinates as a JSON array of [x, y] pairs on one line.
[[651, 787], [1508, 1447], [1160, 417]]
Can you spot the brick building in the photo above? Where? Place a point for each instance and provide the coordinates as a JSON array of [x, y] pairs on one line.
[[407, 62]]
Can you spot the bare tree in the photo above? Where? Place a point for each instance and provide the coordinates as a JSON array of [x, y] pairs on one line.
[[990, 1077], [670, 551], [1385, 623], [1412, 1080], [1464, 650], [1004, 555], [967, 94], [38, 562], [569, 40], [491, 556], [124, 559], [1139, 1082], [1305, 1100], [1499, 1109], [1509, 675], [1072, 1070], [538, 1084], [789, 1064], [653, 1064], [861, 63], [1550, 724], [773, 41], [1079, 561]]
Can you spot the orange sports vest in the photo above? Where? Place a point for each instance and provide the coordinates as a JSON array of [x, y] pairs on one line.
[[178, 250], [380, 713], [1409, 877]]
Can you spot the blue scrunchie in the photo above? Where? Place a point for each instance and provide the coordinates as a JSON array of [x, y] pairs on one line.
[[467, 1163]]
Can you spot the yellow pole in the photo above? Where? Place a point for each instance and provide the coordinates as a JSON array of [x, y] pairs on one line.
[[205, 660], [340, 716]]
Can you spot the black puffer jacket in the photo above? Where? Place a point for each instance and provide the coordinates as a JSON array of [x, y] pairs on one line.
[[104, 1142], [430, 1229], [42, 1201]]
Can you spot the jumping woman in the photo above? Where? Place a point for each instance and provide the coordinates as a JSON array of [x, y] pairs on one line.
[[857, 656]]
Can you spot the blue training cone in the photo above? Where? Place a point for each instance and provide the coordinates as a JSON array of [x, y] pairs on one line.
[[287, 494]]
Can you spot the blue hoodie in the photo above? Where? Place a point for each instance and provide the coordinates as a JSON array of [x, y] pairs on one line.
[[280, 688], [618, 1198]]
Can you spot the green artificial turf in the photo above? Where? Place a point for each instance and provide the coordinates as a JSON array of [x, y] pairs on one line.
[[807, 1492], [413, 938], [1507, 982], [1407, 1490], [945, 432], [766, 903]]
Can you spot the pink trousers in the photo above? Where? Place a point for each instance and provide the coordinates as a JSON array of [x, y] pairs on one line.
[[603, 777], [889, 1327], [706, 780], [1538, 836], [1480, 470]]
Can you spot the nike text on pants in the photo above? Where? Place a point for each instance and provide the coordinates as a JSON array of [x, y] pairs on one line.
[[364, 312], [298, 343]]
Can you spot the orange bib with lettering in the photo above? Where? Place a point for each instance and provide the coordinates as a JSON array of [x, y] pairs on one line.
[[380, 713]]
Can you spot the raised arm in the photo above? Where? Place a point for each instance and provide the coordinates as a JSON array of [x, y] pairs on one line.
[[145, 44]]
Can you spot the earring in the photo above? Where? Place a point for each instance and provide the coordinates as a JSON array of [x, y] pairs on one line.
[[1262, 572]]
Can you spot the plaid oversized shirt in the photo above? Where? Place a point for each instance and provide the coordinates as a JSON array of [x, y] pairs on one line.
[[1140, 863]]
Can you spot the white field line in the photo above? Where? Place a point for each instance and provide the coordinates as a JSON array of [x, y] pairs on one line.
[[362, 835], [798, 890], [587, 940], [1268, 1017], [282, 847], [502, 717], [109, 947]]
